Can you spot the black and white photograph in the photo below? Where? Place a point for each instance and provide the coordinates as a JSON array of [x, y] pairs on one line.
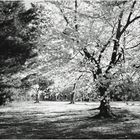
[[69, 69]]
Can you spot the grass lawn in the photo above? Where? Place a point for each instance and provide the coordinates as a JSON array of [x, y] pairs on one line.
[[53, 120]]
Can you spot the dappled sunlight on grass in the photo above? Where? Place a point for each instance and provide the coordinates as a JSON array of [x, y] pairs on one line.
[[63, 120]]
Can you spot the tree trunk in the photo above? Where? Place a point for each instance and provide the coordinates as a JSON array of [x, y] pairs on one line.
[[104, 108], [72, 98], [36, 98]]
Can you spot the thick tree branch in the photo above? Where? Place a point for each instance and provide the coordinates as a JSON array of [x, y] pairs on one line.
[[75, 17], [74, 86], [133, 46], [134, 19], [93, 59], [118, 58], [94, 75], [101, 52], [129, 21], [118, 36], [119, 25], [65, 18], [104, 47], [89, 56], [116, 42], [131, 11]]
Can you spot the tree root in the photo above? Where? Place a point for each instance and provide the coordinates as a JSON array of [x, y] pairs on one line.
[[36, 101], [72, 103], [108, 115]]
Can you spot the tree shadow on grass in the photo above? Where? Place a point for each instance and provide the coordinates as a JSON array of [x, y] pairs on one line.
[[125, 126], [67, 124], [27, 125]]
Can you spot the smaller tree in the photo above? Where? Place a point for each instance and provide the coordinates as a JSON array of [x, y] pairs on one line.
[[44, 86]]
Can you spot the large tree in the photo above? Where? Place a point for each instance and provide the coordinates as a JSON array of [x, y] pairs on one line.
[[124, 22], [96, 36]]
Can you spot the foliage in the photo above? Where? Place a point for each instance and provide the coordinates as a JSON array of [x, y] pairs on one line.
[[16, 44], [98, 39], [81, 43], [44, 83], [36, 84], [125, 90], [94, 39], [9, 89]]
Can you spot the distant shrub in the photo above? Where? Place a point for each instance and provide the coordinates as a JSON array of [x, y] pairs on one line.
[[125, 90], [44, 83], [6, 96]]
